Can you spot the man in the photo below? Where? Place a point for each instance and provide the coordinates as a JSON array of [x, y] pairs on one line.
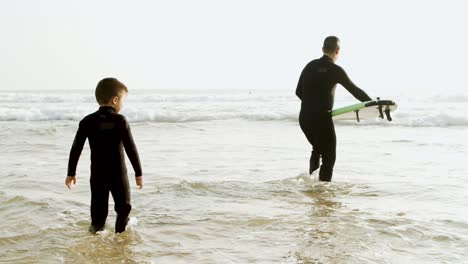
[[316, 89]]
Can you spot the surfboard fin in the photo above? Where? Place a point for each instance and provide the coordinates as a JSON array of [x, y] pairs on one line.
[[380, 112], [357, 115], [387, 114]]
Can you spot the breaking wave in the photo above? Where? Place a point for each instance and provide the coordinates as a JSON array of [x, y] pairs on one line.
[[192, 106]]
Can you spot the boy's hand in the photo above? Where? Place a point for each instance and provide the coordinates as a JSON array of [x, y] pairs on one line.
[[139, 182], [69, 180]]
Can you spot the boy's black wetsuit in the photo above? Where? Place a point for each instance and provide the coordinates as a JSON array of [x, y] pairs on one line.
[[107, 132], [316, 89]]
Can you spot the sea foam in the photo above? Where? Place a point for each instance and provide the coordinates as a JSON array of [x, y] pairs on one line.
[[174, 107]]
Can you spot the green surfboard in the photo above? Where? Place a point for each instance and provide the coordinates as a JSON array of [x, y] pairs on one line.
[[365, 110]]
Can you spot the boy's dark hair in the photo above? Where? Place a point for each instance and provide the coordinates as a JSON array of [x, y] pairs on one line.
[[331, 44], [108, 88]]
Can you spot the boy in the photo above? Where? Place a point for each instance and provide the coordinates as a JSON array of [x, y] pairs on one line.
[[108, 133]]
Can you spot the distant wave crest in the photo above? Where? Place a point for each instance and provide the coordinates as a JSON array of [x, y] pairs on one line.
[[181, 115], [193, 107], [436, 120], [146, 115]]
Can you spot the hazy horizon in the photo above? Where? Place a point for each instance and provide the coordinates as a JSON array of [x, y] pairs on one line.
[[242, 45]]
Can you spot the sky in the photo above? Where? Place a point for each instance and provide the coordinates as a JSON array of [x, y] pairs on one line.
[[243, 44]]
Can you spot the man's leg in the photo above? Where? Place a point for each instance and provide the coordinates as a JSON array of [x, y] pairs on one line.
[[308, 128], [99, 206], [121, 194], [314, 162], [327, 140]]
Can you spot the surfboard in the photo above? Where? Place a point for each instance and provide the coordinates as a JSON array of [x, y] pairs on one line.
[[365, 110]]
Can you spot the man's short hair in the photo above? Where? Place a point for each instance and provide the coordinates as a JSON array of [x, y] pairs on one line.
[[331, 44], [108, 88]]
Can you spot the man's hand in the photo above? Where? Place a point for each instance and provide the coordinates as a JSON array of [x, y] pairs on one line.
[[139, 182], [69, 180]]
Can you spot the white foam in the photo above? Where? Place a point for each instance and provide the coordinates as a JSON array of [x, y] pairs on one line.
[[433, 110], [104, 232], [132, 223]]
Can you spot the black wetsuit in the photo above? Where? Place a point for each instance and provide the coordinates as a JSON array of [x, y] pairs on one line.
[[108, 133], [316, 89]]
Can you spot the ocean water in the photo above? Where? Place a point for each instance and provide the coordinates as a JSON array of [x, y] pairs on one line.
[[226, 182]]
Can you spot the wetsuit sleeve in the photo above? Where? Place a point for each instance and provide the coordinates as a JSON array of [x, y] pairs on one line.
[[299, 87], [344, 80], [76, 149], [130, 149]]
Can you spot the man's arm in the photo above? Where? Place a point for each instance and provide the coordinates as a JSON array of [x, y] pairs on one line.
[[351, 87], [130, 149]]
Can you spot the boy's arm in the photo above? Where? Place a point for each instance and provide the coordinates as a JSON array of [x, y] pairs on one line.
[[139, 181], [69, 181], [130, 149], [76, 149]]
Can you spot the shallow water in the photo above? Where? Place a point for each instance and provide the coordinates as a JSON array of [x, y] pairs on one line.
[[236, 191]]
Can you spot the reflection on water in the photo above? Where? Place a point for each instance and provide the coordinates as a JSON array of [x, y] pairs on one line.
[[38, 232], [294, 220], [322, 197], [105, 247], [320, 235]]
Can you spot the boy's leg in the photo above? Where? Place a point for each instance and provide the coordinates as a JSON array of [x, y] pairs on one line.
[[121, 194], [99, 206]]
